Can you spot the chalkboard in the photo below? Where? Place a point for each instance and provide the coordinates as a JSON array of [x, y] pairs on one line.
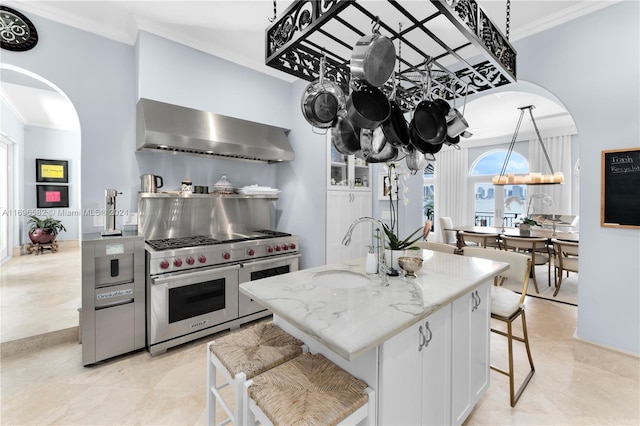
[[620, 199]]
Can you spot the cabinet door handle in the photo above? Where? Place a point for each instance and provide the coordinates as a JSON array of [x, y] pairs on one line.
[[425, 336], [473, 301], [478, 299], [428, 339], [421, 339]]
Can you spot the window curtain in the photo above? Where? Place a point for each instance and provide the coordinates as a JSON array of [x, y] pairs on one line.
[[450, 198], [559, 150]]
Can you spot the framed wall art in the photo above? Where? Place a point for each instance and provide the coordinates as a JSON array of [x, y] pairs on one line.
[[54, 171], [387, 185], [52, 196], [620, 188]]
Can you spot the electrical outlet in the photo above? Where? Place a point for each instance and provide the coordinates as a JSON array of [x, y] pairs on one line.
[[386, 215], [98, 221], [130, 219]]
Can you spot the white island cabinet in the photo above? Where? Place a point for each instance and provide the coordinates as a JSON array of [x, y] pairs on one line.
[[422, 344]]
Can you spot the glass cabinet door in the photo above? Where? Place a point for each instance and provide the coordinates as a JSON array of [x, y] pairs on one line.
[[347, 171], [339, 168]]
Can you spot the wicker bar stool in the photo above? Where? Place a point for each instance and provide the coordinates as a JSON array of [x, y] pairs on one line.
[[309, 390], [240, 356]]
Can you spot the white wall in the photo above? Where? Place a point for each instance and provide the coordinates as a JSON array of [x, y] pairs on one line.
[[592, 65]]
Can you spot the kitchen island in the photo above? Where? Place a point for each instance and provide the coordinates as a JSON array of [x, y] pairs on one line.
[[422, 344]]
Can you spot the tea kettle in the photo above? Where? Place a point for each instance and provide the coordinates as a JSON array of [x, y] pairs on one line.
[[149, 183]]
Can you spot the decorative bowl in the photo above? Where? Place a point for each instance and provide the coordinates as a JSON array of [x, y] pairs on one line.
[[410, 265]]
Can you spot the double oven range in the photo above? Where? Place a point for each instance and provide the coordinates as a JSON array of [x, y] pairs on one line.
[[192, 282]]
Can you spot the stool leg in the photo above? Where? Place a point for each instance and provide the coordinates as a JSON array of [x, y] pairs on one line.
[[371, 412], [211, 382], [247, 414], [239, 400]]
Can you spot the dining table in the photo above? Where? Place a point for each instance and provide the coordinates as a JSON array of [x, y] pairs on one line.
[[535, 232]]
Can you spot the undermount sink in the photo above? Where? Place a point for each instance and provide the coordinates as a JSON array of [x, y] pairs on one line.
[[340, 279]]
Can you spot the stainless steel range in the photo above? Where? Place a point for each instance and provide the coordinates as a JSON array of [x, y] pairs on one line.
[[193, 277]]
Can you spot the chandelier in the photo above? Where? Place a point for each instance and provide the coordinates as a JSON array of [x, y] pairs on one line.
[[532, 178]]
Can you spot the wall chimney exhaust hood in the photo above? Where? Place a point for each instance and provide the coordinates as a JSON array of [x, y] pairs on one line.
[[163, 127]]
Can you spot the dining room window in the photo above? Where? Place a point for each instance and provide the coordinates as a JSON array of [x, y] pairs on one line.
[[428, 192], [491, 202]]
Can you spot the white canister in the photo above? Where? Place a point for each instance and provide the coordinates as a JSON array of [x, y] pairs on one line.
[[187, 186]]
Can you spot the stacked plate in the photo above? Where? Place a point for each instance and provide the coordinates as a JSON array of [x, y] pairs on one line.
[[257, 190]]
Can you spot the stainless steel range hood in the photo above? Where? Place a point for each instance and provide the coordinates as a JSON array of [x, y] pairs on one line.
[[163, 127]]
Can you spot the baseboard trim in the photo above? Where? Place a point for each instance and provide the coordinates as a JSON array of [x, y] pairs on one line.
[[41, 341], [609, 348]]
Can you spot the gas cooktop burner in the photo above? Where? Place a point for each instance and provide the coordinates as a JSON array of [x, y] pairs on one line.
[[203, 240], [176, 243]]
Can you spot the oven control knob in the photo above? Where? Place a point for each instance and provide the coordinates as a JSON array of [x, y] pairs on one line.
[[251, 252], [285, 247], [202, 259], [278, 248], [292, 246], [164, 264], [269, 249], [226, 255], [191, 260], [177, 263]]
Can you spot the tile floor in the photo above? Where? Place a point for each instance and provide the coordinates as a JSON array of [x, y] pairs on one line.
[[33, 300], [575, 383]]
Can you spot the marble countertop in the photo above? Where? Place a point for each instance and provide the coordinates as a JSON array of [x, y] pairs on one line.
[[354, 319]]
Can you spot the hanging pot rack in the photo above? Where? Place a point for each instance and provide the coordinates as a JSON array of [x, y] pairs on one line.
[[466, 50]]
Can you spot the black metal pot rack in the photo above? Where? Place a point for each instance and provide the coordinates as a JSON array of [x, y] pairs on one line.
[[466, 49]]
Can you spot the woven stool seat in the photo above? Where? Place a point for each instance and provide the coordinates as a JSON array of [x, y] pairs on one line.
[[308, 390], [241, 355], [256, 349]]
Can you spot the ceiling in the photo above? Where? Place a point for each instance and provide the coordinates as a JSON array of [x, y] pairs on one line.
[[234, 30]]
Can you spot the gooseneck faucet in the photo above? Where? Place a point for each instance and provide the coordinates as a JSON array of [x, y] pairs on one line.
[[383, 269]]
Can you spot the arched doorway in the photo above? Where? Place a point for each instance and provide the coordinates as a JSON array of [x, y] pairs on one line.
[[38, 122]]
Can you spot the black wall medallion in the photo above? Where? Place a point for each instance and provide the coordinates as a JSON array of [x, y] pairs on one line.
[[16, 30]]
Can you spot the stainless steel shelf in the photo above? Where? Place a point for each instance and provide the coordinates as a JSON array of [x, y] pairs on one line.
[[197, 196]]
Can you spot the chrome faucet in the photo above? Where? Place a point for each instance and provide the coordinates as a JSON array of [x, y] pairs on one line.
[[383, 269]]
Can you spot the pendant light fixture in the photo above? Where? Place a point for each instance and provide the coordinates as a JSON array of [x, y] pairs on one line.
[[533, 178]]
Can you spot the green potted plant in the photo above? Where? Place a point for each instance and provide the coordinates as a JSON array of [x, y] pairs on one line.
[[525, 225], [395, 243], [44, 231], [395, 247]]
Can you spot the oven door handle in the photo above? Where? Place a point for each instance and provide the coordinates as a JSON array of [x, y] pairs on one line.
[[191, 274], [268, 260]]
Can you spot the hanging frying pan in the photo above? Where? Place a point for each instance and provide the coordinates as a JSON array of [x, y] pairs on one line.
[[321, 100], [429, 121], [345, 136]]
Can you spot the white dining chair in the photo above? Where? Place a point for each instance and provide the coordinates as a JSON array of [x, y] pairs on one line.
[[448, 237], [565, 259], [435, 246]]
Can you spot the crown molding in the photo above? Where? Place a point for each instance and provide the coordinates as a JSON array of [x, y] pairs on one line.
[[560, 17]]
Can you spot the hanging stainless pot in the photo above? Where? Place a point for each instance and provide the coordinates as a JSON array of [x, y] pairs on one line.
[[321, 100], [345, 136], [415, 160], [367, 106], [456, 123], [378, 140], [388, 153], [373, 58]]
